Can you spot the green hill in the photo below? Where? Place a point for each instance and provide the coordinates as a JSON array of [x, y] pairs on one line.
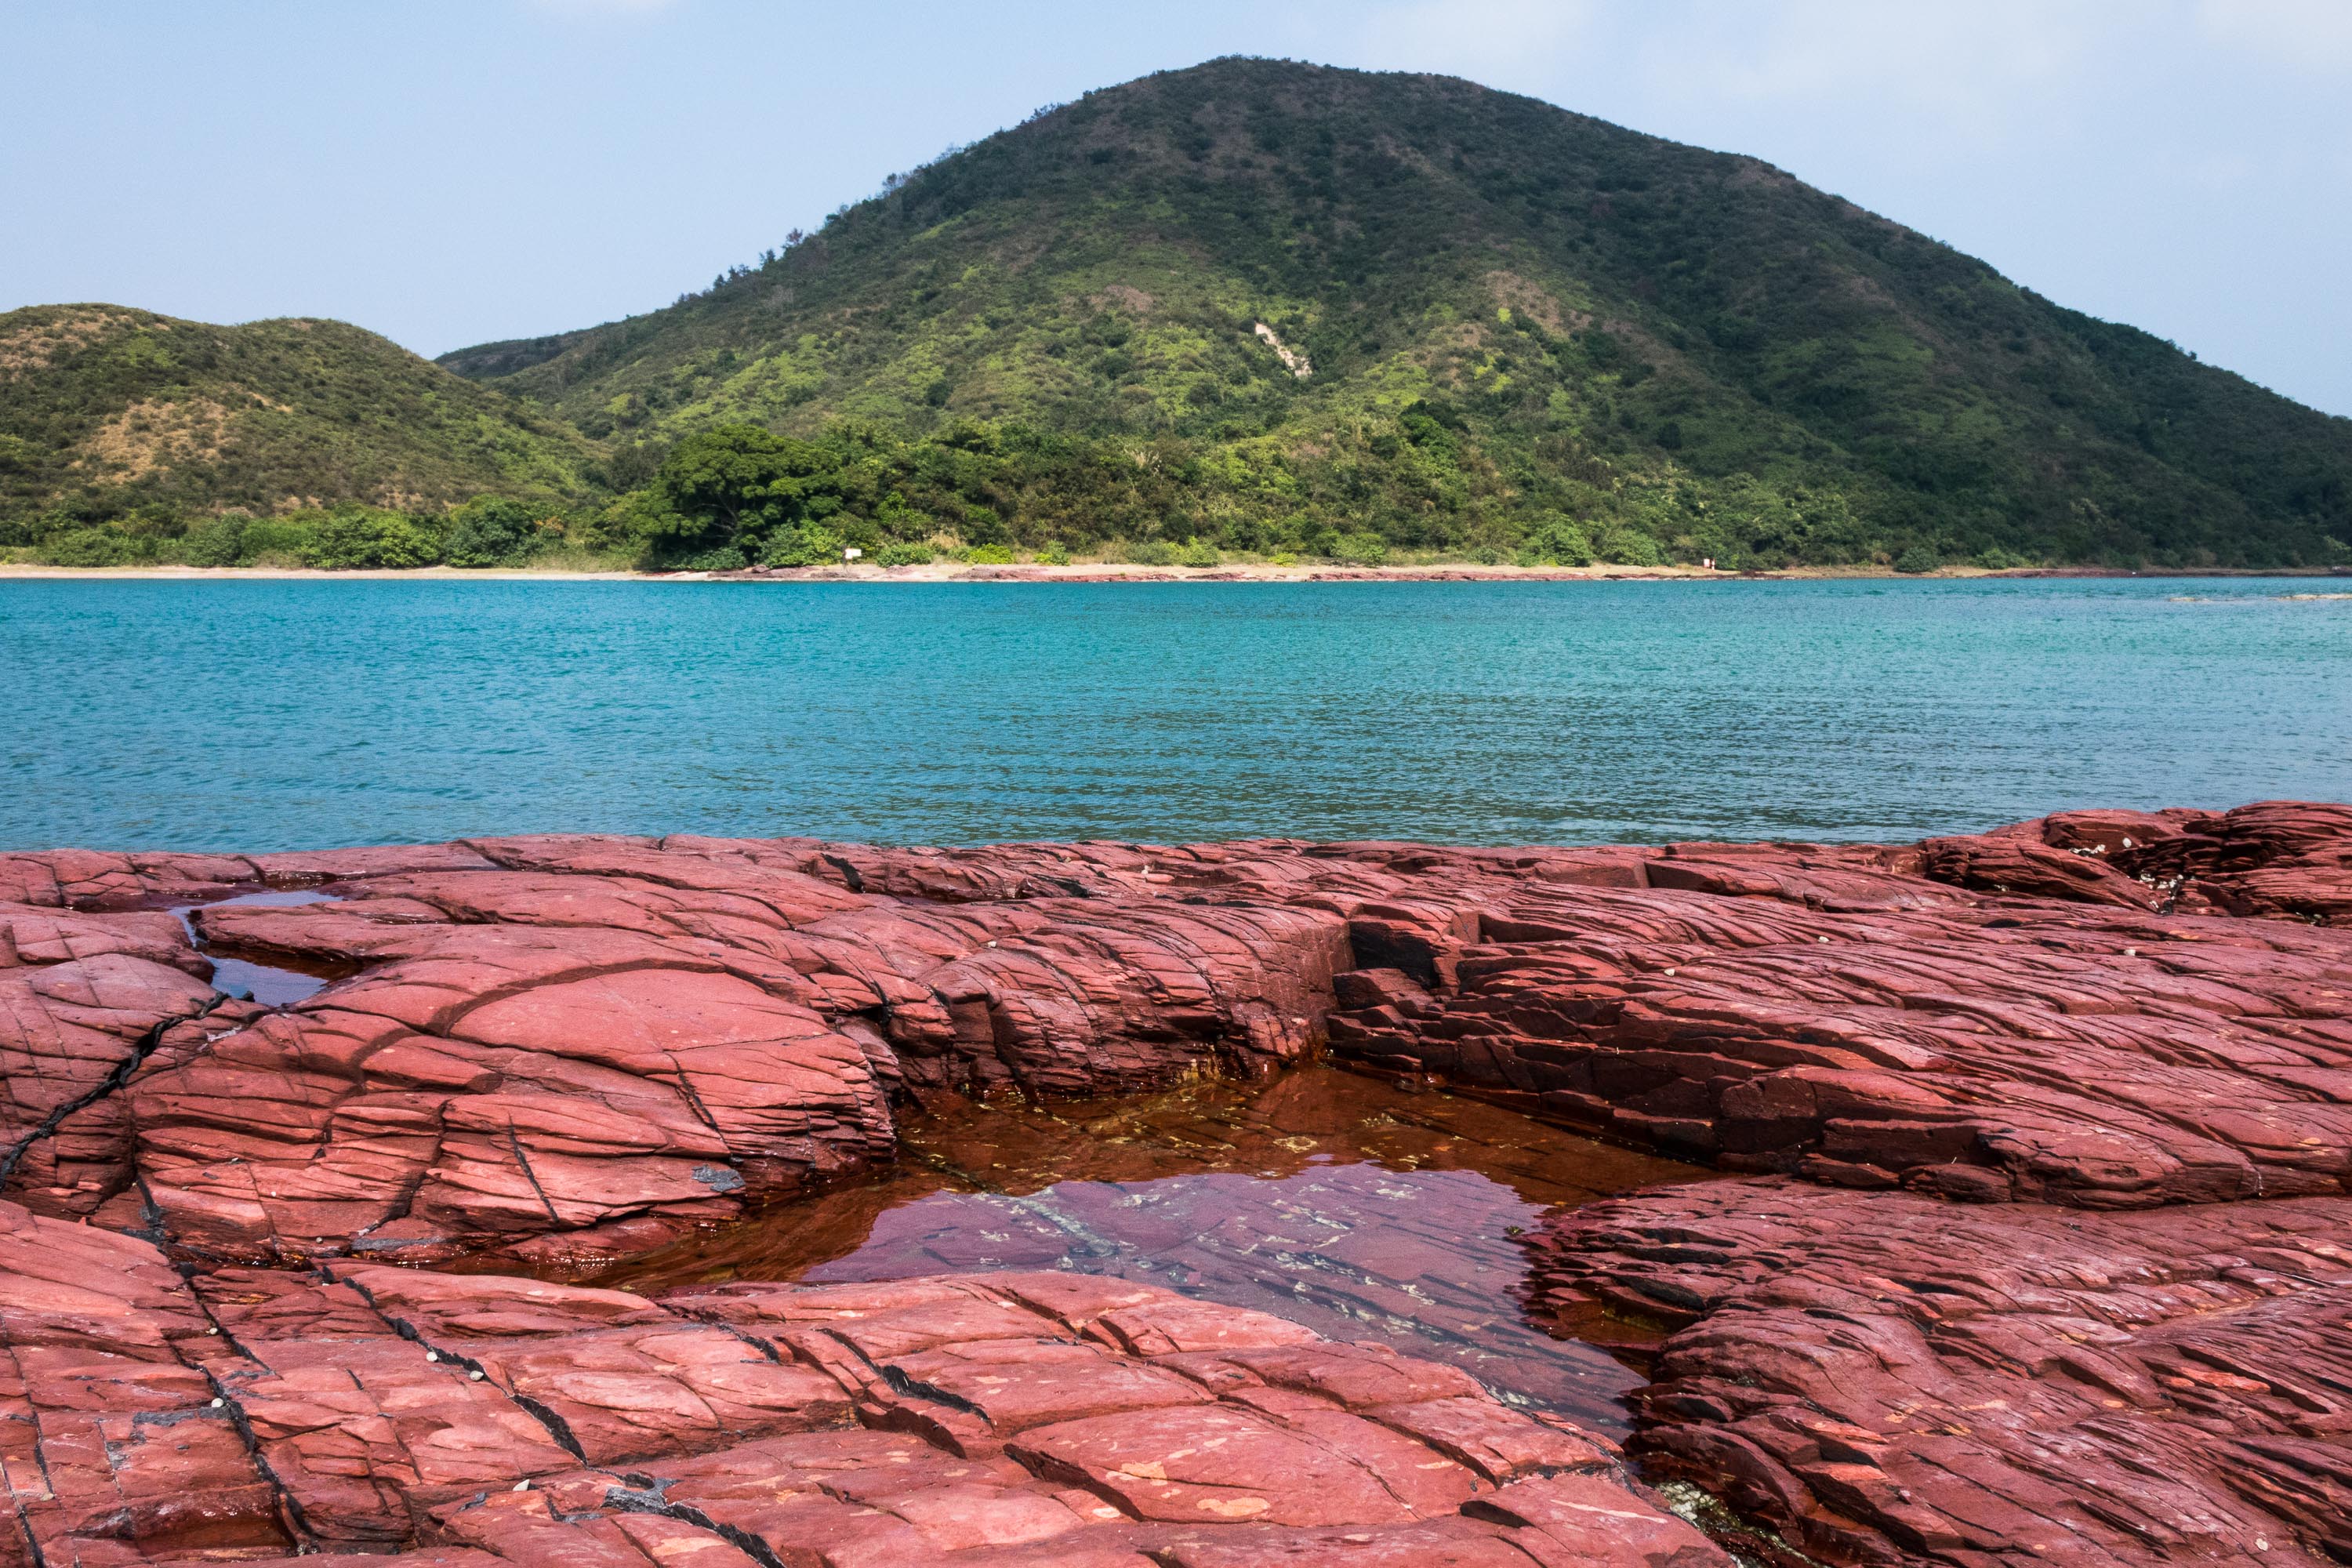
[[1518, 330], [107, 413]]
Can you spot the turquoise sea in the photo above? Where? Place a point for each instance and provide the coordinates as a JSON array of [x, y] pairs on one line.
[[261, 715]]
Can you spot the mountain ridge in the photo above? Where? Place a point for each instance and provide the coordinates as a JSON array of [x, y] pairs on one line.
[[1532, 335], [142, 409], [1626, 330]]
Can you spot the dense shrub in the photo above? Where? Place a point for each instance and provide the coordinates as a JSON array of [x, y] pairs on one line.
[[903, 555], [1360, 549], [804, 545], [490, 532], [1631, 547], [275, 541], [90, 547], [363, 539], [1557, 541], [1151, 552], [1916, 560], [213, 541], [1198, 552]]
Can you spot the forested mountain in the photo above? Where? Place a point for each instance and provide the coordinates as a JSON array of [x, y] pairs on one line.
[[1249, 306], [1504, 319], [131, 424]]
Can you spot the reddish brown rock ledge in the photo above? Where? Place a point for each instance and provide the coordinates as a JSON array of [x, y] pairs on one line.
[[994, 1420], [1879, 1377], [603, 1040], [2121, 1041]]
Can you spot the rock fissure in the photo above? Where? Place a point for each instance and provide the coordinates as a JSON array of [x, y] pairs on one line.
[[289, 1506], [636, 1501], [522, 1162], [2035, 1255], [116, 1079]]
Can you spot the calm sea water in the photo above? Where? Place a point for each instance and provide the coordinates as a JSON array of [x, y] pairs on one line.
[[262, 715]]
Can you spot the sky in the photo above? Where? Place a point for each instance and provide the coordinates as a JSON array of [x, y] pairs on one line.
[[452, 173]]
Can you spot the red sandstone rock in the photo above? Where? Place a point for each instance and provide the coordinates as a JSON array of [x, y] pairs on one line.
[[1999, 864], [1883, 1378], [1981, 1047], [2276, 858], [592, 1035], [111, 1449], [613, 1039], [600, 1031], [97, 880], [71, 1033], [607, 1039], [33, 934], [462, 1420]]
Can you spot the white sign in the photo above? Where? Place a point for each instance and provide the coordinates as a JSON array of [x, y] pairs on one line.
[[852, 553]]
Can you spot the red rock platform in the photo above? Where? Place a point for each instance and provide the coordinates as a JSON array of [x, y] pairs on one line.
[[1882, 1377], [992, 1420], [2052, 1126]]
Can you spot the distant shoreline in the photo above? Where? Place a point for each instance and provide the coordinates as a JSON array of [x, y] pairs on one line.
[[958, 571]]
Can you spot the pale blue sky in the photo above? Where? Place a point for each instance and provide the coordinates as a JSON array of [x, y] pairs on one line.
[[449, 172]]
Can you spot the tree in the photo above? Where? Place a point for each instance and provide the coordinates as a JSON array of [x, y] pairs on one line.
[[1556, 541], [213, 541], [734, 485]]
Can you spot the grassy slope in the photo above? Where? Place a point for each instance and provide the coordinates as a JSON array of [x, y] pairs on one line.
[[1624, 329], [107, 405]]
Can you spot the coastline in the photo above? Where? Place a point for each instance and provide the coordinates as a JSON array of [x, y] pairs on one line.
[[1118, 572]]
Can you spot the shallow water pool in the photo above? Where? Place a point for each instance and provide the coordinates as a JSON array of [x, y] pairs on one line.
[[1358, 1208]]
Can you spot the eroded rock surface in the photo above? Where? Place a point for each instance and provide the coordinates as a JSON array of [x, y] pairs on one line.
[[1853, 1016], [2122, 1041], [1882, 1377], [85, 999], [613, 1037], [994, 1420], [609, 1038]]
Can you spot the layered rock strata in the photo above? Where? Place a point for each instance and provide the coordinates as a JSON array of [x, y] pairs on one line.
[[2123, 1041], [604, 1039], [1880, 1377], [2003, 1018], [996, 1420]]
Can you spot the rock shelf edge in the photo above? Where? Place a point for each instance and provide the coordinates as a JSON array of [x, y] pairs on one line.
[[2042, 1251]]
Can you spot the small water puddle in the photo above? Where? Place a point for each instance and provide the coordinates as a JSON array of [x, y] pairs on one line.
[[1340, 1202], [271, 984]]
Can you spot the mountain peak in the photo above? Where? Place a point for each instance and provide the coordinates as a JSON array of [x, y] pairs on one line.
[[1605, 329], [1264, 305]]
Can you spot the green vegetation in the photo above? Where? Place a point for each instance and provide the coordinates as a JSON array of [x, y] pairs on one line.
[[1526, 335], [127, 436], [350, 537], [1532, 334]]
